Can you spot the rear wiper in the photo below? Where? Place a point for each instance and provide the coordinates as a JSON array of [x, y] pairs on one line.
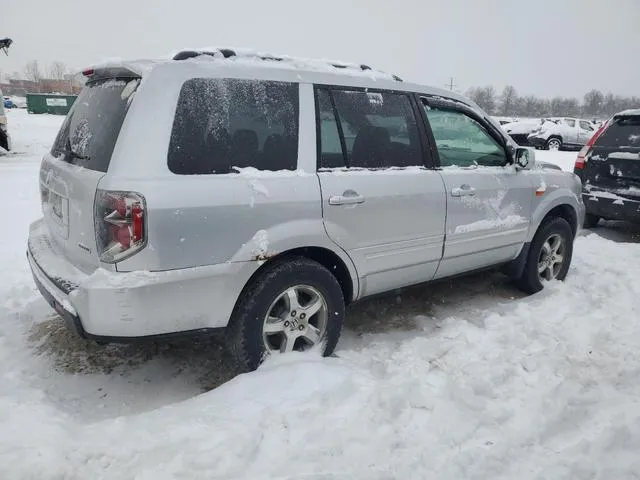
[[68, 151], [72, 154]]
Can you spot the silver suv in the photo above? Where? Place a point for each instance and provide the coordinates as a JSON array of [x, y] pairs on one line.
[[559, 133], [263, 194]]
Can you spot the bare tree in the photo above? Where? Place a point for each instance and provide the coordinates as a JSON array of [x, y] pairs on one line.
[[593, 101], [485, 97], [32, 71], [508, 100], [57, 70]]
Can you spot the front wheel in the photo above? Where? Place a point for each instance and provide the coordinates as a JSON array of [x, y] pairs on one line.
[[293, 305], [549, 255]]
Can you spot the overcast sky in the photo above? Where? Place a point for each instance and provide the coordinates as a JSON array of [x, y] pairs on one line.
[[543, 47]]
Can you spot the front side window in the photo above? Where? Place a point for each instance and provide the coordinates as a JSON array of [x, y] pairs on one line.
[[586, 125], [379, 130], [462, 141], [222, 125], [570, 121]]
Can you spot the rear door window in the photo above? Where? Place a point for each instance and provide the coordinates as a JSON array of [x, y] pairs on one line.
[[378, 129], [223, 125], [623, 132], [90, 130]]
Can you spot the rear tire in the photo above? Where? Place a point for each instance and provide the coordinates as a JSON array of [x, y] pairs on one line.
[[590, 220], [268, 317], [542, 249], [554, 143]]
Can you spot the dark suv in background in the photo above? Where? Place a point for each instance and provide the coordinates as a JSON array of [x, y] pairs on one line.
[[609, 167]]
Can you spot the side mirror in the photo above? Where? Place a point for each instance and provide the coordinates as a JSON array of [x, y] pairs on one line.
[[525, 158]]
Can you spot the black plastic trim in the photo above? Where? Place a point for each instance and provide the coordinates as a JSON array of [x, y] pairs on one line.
[[515, 267]]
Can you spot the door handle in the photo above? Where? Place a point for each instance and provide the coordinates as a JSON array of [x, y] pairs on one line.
[[347, 198], [463, 191]]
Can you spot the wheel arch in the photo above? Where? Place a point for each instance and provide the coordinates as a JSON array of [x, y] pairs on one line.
[[562, 210], [332, 261]]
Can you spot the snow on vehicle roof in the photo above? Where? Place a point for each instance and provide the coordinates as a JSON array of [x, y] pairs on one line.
[[252, 58], [323, 65], [318, 70], [628, 113]]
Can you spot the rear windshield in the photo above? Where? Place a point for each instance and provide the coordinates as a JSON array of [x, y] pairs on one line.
[[623, 132], [90, 131], [222, 125]]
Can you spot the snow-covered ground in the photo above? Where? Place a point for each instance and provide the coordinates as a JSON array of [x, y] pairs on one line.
[[461, 379]]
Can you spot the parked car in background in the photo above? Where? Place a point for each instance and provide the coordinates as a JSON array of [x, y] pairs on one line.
[[609, 167], [18, 102], [262, 194], [561, 133], [5, 139], [519, 131]]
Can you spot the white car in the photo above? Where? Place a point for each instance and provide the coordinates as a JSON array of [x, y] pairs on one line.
[[519, 131], [558, 133]]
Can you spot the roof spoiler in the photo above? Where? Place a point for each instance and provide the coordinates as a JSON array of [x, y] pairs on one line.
[[102, 73]]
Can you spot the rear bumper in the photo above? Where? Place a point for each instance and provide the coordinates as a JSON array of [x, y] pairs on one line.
[[520, 138], [537, 142], [612, 208], [123, 307]]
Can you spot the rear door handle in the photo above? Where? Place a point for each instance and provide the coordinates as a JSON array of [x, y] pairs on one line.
[[463, 191], [347, 198]]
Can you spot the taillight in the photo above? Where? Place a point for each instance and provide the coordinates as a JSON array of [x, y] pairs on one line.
[[120, 224], [582, 154]]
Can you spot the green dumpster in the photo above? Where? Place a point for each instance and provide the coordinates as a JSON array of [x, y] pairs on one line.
[[49, 103]]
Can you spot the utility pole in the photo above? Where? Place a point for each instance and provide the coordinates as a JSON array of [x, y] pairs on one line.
[[450, 85]]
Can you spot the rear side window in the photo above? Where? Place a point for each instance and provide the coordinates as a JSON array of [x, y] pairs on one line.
[[222, 125], [89, 133], [371, 130], [623, 132]]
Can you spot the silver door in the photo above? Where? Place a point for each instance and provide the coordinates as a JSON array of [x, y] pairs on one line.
[[384, 209], [488, 212], [488, 202]]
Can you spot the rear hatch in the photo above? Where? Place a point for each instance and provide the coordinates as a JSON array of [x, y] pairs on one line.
[[613, 164], [79, 158]]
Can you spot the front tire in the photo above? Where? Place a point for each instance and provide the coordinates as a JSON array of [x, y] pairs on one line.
[[292, 305], [549, 255]]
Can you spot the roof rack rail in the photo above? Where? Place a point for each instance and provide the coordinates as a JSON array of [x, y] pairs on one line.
[[228, 53]]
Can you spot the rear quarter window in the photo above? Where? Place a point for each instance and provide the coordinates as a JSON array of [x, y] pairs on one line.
[[222, 125]]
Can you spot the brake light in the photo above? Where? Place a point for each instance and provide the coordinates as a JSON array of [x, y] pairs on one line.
[[88, 72], [120, 224], [582, 155]]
